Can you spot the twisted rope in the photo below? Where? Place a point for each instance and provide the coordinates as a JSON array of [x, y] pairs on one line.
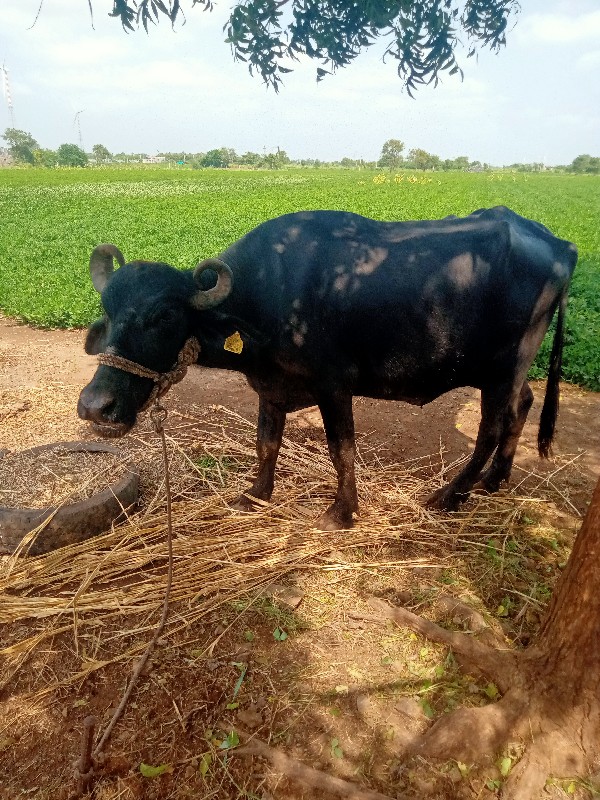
[[158, 415], [163, 381]]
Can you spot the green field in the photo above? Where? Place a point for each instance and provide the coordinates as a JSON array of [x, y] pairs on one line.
[[51, 219]]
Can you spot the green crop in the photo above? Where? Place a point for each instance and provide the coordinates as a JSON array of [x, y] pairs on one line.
[[50, 220]]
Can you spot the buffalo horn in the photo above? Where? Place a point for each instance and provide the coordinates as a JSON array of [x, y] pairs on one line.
[[101, 264], [209, 298]]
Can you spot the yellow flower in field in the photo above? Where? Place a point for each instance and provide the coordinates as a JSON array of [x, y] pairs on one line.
[[399, 178]]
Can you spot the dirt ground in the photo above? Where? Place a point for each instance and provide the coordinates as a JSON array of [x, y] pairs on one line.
[[343, 696]]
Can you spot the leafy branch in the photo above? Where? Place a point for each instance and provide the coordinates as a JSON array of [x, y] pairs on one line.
[[269, 35]]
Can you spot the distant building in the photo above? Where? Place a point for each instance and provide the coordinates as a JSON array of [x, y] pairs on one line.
[[5, 157], [154, 160]]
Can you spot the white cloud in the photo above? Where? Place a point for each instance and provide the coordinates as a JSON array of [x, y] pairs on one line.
[[89, 51], [589, 61], [559, 28]]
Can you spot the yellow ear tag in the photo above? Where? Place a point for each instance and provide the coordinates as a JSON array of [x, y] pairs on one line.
[[234, 343]]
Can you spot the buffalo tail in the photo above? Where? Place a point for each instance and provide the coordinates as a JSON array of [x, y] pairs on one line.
[[551, 399]]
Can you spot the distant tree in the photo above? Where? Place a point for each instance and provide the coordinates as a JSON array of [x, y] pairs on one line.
[[460, 162], [584, 163], [391, 154], [420, 36], [70, 155], [217, 158], [352, 163], [101, 153], [179, 156], [44, 158], [276, 160], [20, 145], [421, 159], [250, 159]]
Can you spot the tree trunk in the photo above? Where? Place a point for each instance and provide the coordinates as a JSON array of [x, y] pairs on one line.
[[552, 689]]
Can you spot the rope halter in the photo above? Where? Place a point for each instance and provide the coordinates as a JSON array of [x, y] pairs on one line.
[[163, 381]]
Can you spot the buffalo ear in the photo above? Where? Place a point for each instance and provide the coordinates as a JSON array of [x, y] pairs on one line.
[[95, 340]]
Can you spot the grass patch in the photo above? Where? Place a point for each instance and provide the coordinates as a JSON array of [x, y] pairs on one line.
[[182, 217]]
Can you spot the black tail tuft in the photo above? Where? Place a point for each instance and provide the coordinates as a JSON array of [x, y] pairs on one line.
[[551, 400]]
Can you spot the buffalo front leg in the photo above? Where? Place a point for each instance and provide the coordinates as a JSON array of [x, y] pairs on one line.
[[271, 421], [339, 429]]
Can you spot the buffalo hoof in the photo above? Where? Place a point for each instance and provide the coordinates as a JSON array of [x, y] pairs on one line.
[[490, 482], [445, 499], [245, 502], [335, 519]]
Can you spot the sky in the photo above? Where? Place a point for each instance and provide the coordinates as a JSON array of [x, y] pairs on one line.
[[537, 100]]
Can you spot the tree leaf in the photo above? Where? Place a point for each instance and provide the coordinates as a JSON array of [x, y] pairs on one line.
[[205, 763], [505, 766], [153, 772], [239, 681], [427, 709], [336, 750], [232, 740]]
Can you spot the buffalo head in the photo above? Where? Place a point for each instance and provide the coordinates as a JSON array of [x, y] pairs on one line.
[[150, 310]]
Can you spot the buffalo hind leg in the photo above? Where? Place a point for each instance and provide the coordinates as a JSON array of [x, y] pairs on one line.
[[493, 410], [501, 466], [271, 421], [339, 429]]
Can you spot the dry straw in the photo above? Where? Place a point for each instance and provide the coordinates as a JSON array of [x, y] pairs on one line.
[[114, 584]]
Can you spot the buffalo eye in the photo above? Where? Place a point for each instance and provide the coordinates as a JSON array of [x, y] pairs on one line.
[[165, 318]]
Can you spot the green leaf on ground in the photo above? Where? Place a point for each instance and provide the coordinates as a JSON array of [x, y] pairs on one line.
[[153, 772], [205, 763], [505, 766], [336, 750], [232, 740]]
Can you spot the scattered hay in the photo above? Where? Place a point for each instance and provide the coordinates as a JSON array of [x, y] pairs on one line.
[[81, 615], [222, 555]]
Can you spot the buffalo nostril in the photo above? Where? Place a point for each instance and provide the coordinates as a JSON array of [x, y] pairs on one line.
[[95, 406]]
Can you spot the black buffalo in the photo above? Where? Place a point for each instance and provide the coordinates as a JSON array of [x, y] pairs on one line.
[[326, 305]]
